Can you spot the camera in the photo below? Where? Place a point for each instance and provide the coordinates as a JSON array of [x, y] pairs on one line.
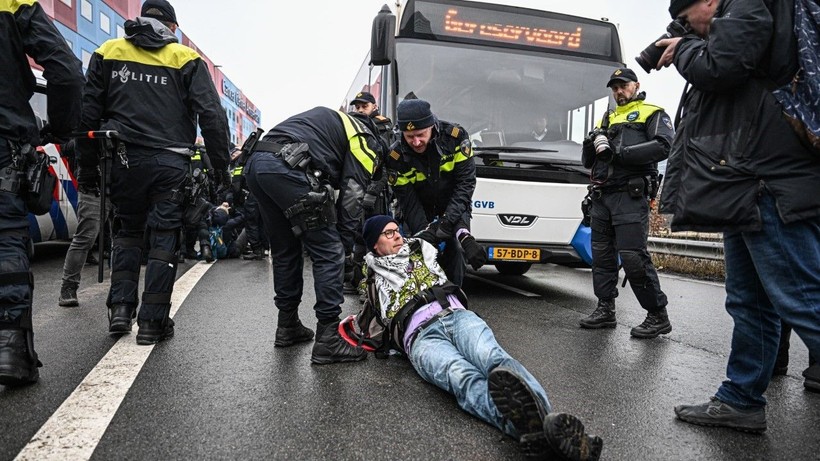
[[649, 57]]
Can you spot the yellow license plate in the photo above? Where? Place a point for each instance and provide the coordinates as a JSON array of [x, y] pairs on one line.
[[516, 254]]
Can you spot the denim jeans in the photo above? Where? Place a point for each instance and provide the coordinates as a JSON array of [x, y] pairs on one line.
[[457, 353], [88, 227], [770, 273]]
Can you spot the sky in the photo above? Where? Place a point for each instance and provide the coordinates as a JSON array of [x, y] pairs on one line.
[[288, 57]]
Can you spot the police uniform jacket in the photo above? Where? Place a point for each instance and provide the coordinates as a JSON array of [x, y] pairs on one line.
[[733, 140], [25, 29], [438, 183], [153, 91], [632, 124], [343, 150]]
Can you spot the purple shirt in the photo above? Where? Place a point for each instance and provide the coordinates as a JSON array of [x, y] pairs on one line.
[[424, 314]]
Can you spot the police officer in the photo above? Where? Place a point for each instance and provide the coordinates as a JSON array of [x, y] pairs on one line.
[[622, 155], [152, 90], [202, 172], [365, 103], [294, 173], [26, 30], [432, 172]]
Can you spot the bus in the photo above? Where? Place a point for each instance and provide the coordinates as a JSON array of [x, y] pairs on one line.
[[504, 73], [60, 223]]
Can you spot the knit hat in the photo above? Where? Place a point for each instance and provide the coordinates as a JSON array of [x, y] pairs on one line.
[[373, 228], [676, 6], [160, 10], [414, 114]]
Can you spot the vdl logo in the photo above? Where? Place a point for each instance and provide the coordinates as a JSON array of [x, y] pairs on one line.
[[517, 220]]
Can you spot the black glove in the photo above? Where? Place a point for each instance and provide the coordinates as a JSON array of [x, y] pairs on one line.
[[444, 231], [428, 234], [475, 253]]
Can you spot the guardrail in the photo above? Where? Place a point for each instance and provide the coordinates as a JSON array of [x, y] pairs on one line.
[[687, 248]]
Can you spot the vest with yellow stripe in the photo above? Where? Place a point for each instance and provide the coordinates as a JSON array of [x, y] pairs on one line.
[[631, 124], [442, 179]]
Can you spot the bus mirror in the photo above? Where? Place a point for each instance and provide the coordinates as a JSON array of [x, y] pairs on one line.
[[383, 38]]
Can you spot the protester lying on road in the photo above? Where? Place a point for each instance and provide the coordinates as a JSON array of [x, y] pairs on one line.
[[425, 318]]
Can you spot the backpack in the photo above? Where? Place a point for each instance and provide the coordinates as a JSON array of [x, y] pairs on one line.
[[218, 247], [801, 97], [370, 331]]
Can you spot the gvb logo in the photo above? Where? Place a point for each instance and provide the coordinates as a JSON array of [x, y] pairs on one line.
[[517, 220]]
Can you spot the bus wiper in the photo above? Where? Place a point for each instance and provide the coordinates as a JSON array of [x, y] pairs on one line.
[[496, 149]]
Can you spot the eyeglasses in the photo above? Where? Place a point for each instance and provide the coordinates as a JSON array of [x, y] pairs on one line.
[[390, 233]]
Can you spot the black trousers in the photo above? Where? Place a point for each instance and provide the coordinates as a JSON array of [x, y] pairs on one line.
[[140, 195], [620, 227]]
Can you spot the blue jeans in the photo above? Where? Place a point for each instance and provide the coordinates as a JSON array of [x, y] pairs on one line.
[[771, 274], [457, 353]]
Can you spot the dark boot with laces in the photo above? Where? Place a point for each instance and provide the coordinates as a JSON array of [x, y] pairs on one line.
[[330, 347], [68, 295], [656, 323], [602, 317], [18, 364]]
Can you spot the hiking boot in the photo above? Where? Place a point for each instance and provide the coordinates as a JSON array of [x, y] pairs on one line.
[[120, 318], [331, 348], [68, 295], [254, 255], [568, 440], [154, 330], [656, 323], [518, 405], [812, 375], [602, 317], [17, 366], [288, 336], [90, 259], [207, 254], [720, 414]]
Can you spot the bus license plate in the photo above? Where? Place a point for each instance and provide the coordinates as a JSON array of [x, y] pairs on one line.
[[517, 254]]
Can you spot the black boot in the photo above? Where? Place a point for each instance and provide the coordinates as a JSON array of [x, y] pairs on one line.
[[207, 254], [68, 295], [656, 323], [812, 375], [154, 331], [568, 440], [255, 255], [517, 404], [17, 365], [602, 317], [330, 347], [120, 318]]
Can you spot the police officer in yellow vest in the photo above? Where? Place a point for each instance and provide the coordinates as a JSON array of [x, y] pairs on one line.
[[622, 154], [295, 173]]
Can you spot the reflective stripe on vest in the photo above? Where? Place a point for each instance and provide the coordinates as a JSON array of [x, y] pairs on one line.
[[237, 171], [634, 112], [358, 143]]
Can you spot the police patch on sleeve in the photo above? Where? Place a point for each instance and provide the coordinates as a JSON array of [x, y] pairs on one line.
[[466, 148], [394, 155], [455, 132], [666, 121], [392, 177]]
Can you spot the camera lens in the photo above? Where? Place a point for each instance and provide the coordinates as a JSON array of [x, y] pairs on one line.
[[649, 57]]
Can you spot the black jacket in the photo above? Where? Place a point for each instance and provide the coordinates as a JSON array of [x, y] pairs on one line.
[[438, 183], [344, 150], [733, 140], [27, 30], [153, 91]]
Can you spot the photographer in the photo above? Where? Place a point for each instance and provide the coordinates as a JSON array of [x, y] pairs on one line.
[[622, 154], [738, 167]]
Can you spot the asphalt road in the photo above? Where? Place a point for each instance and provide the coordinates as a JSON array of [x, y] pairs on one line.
[[219, 389]]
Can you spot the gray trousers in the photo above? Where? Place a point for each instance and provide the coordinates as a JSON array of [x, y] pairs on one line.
[[88, 227]]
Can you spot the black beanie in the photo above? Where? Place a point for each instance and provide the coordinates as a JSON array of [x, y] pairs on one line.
[[414, 114], [676, 6], [160, 10], [373, 228]]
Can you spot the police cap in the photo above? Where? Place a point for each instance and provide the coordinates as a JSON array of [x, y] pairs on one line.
[[622, 75], [364, 97]]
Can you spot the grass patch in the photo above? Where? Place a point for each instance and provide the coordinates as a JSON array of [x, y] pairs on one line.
[[704, 269]]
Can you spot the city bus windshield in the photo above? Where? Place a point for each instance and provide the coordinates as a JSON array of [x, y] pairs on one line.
[[505, 98]]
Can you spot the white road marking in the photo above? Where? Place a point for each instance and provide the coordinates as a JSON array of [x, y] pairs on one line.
[[519, 291], [75, 429]]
